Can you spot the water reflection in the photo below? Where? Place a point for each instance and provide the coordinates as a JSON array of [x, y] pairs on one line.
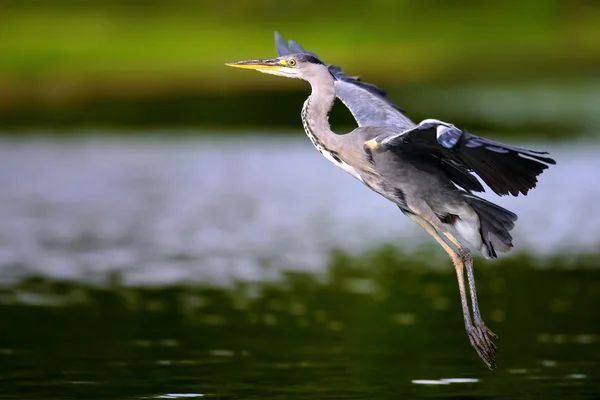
[[169, 270], [306, 336], [148, 212]]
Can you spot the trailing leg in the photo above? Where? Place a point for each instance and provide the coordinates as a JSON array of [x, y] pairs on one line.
[[479, 335], [456, 260]]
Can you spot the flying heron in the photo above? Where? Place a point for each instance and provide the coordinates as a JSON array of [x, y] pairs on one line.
[[426, 169]]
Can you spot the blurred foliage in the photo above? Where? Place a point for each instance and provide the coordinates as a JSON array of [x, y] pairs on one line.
[[57, 56]]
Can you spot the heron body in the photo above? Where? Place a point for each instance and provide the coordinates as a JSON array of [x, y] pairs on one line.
[[426, 169]]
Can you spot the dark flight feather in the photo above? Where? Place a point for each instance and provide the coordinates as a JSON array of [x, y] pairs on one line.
[[505, 169]]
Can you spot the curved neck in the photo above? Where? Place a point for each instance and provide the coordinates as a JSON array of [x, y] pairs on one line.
[[316, 108]]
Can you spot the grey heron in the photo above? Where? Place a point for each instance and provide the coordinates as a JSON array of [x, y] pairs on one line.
[[427, 169]]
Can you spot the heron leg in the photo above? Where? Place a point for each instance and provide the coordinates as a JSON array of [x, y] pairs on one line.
[[466, 256], [456, 260], [479, 335], [483, 332]]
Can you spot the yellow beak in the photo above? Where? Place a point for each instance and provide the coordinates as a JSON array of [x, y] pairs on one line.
[[272, 64]]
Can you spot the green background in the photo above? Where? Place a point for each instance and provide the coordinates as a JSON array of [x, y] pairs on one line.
[[160, 63]]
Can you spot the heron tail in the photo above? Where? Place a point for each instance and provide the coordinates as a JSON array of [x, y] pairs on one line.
[[495, 226]]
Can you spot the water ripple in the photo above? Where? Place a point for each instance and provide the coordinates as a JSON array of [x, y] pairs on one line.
[[154, 213]]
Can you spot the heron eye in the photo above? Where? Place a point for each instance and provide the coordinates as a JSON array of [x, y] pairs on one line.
[[291, 62]]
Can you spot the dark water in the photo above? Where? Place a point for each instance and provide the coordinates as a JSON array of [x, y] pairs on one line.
[[378, 331], [146, 269]]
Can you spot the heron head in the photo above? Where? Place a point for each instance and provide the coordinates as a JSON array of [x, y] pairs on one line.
[[298, 65]]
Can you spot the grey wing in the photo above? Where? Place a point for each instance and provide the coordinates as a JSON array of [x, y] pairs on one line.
[[505, 169], [367, 103]]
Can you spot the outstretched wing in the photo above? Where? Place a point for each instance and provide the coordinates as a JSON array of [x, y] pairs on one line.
[[505, 169], [367, 103]]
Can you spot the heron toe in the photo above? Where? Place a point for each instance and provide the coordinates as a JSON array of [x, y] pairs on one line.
[[480, 337]]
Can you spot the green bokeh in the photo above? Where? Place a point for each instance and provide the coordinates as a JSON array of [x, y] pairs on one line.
[[367, 329], [59, 58]]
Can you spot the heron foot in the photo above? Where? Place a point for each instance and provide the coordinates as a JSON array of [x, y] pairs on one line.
[[481, 337]]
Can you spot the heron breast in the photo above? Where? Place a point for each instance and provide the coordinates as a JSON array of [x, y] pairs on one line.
[[337, 161]]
